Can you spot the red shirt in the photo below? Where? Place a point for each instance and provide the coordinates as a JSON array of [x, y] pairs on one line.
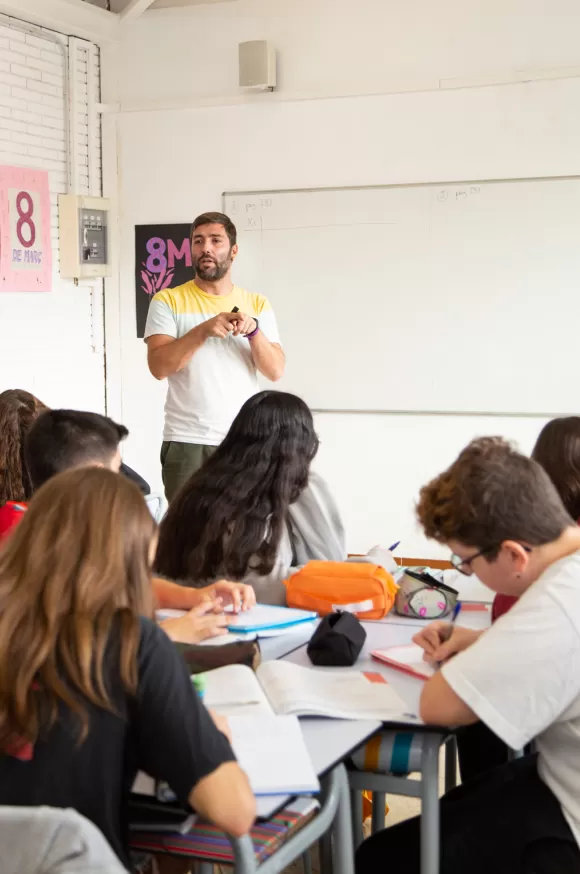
[[501, 605], [10, 515]]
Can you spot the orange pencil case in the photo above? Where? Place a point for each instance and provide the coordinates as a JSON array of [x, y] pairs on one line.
[[361, 588]]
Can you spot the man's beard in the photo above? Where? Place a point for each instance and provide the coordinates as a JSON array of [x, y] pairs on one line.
[[214, 271]]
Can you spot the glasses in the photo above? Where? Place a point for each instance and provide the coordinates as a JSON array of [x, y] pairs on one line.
[[463, 565]]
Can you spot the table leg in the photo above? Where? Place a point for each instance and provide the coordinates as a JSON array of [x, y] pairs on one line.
[[307, 862], [244, 856], [430, 805], [451, 763], [378, 814], [356, 810], [342, 830], [325, 853]]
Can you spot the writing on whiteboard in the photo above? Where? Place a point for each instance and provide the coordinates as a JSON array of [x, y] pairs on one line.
[[458, 194], [250, 206]]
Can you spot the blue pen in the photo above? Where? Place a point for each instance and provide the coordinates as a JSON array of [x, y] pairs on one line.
[[456, 612], [394, 546]]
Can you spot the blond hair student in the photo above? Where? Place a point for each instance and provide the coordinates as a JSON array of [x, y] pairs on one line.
[[91, 689]]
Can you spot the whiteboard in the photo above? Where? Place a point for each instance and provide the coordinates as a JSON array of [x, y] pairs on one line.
[[451, 298]]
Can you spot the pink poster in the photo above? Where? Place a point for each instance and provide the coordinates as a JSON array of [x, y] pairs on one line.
[[25, 243]]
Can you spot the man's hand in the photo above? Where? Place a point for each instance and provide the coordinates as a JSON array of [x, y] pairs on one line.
[[244, 325], [239, 595], [206, 620], [221, 325], [442, 640]]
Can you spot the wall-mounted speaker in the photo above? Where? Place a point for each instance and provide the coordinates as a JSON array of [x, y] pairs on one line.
[[257, 65]]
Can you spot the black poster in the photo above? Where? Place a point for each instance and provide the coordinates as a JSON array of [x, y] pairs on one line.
[[162, 260]]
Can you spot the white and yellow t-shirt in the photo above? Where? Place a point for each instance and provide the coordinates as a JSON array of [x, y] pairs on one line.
[[204, 398]]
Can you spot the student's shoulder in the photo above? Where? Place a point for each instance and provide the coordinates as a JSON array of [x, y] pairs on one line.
[[254, 303], [154, 644]]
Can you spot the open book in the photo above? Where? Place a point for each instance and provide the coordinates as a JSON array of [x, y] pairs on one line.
[[287, 689], [408, 659]]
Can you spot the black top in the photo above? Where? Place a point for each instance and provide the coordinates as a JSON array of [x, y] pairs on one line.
[[165, 731], [136, 478]]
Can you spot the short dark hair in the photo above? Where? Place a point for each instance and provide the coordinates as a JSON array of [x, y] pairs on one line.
[[492, 493], [63, 439], [215, 218], [557, 449]]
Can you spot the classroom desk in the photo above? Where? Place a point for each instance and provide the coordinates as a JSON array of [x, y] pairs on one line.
[[396, 631], [329, 743]]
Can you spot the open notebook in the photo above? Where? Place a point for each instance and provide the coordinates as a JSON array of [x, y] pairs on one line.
[[287, 689], [272, 752], [408, 659], [269, 748]]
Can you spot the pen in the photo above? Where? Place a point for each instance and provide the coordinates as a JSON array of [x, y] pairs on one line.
[[456, 612], [394, 546], [236, 310]]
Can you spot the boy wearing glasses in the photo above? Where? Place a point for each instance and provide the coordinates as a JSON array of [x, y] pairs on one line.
[[502, 517]]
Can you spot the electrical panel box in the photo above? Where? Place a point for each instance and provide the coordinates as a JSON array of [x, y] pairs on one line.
[[84, 236]]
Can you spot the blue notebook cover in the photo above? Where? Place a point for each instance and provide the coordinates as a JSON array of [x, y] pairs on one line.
[[264, 617]]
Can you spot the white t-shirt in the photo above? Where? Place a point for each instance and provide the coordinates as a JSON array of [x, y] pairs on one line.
[[522, 678], [204, 398]]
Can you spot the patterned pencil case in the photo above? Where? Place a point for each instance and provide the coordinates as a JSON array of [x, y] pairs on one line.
[[423, 596]]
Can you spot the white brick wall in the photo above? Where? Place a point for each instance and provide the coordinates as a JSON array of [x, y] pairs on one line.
[[63, 366]]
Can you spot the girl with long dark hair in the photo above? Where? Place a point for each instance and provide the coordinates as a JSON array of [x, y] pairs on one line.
[[255, 509]]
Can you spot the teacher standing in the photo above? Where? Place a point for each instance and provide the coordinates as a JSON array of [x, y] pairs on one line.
[[209, 354]]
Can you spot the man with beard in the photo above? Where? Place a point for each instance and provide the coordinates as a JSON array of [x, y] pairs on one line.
[[209, 338]]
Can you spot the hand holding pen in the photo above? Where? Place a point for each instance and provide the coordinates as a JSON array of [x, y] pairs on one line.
[[442, 640]]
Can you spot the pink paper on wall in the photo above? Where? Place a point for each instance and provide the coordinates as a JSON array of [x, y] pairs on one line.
[[25, 242]]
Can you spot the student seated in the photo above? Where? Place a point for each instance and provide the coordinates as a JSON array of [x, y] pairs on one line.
[[254, 511], [503, 519], [557, 449], [18, 411], [64, 439], [91, 692]]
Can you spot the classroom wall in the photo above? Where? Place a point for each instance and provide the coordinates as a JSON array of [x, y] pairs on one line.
[[179, 134], [52, 344]]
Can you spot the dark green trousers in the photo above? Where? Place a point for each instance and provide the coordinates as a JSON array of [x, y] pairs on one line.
[[179, 461]]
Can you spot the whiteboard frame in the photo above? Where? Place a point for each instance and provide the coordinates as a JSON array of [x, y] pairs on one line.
[[439, 184]]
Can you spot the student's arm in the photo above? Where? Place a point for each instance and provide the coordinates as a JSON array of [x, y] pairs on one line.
[[441, 706], [201, 623], [174, 596], [178, 742], [223, 798], [518, 677]]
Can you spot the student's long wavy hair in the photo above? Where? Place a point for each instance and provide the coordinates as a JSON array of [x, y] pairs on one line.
[[557, 449], [74, 568], [235, 507], [18, 410]]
